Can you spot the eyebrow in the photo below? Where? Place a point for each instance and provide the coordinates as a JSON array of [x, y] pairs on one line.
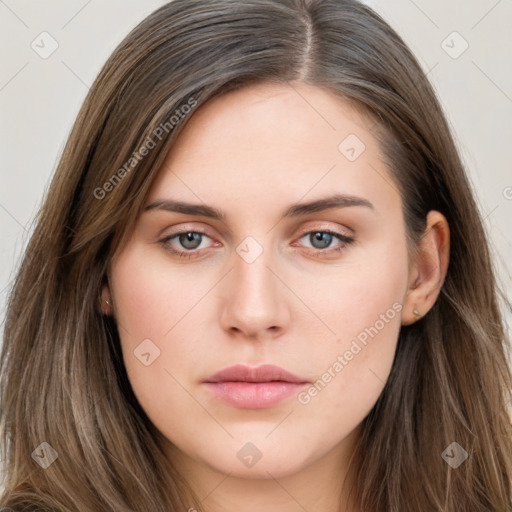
[[295, 210]]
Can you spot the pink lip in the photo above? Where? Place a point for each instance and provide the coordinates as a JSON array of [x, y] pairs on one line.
[[254, 388]]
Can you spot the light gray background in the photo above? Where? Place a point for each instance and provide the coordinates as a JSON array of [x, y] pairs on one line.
[[39, 98]]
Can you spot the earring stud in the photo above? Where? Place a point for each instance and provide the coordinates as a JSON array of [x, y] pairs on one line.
[[416, 312], [107, 302]]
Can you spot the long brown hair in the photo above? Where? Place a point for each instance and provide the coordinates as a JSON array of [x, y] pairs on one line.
[[62, 376]]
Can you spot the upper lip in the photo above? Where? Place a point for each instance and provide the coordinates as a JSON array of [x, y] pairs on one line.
[[263, 373]]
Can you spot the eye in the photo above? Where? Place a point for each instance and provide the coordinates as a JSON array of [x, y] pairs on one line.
[[322, 239], [188, 243]]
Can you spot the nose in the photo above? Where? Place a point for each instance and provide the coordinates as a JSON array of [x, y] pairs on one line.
[[255, 302]]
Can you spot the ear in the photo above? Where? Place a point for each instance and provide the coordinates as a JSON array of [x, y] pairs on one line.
[[428, 269], [106, 300]]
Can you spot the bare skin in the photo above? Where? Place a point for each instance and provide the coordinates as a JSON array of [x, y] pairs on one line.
[[287, 297]]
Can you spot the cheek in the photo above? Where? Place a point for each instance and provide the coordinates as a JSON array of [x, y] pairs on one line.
[[351, 372], [151, 296], [159, 313], [364, 292], [363, 307]]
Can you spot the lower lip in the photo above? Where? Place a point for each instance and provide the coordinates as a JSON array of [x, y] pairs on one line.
[[254, 395]]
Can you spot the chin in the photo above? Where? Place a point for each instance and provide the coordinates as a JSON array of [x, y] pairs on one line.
[[258, 460]]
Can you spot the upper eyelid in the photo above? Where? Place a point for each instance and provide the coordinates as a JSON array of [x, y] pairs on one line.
[[346, 231], [304, 231]]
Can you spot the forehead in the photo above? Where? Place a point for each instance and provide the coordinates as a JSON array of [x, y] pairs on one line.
[[282, 116], [276, 143]]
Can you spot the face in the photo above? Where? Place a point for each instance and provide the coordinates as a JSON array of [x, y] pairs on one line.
[[263, 271]]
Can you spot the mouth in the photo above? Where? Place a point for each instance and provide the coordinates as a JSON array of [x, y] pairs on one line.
[[254, 388]]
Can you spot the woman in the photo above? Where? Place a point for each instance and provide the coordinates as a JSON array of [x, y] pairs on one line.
[[259, 281]]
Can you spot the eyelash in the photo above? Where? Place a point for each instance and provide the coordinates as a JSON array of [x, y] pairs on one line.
[[346, 241]]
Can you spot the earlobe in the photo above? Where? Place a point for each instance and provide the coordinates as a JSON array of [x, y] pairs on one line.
[[428, 270], [106, 300]]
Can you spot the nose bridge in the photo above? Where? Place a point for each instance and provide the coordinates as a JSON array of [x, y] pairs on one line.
[[255, 302]]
